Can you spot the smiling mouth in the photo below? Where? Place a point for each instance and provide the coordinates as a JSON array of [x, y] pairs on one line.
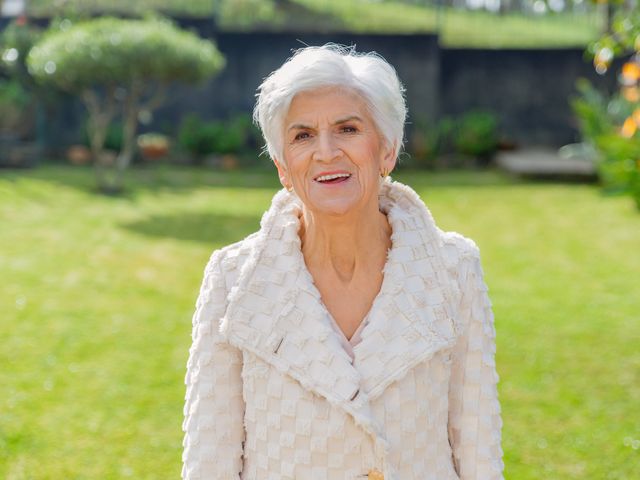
[[333, 178]]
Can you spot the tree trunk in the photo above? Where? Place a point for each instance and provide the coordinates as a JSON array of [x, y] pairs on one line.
[[100, 117], [133, 106], [129, 128]]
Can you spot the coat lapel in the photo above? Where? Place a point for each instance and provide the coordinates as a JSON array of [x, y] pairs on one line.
[[276, 312], [414, 316]]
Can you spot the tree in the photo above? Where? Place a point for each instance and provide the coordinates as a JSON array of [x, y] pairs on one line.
[[120, 67], [623, 40]]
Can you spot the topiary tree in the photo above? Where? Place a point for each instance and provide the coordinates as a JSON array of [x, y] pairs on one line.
[[120, 67]]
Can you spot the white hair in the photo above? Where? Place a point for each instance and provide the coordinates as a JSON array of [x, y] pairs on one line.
[[310, 68]]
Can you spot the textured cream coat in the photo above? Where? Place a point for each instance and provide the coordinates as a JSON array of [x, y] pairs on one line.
[[272, 394]]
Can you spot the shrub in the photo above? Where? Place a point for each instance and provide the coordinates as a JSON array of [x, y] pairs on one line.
[[591, 109], [620, 144], [476, 134], [617, 165], [235, 135], [472, 134], [194, 136], [15, 43], [20, 95], [598, 118], [14, 100]]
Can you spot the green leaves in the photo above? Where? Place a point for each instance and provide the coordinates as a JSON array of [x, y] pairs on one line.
[[111, 51], [232, 135]]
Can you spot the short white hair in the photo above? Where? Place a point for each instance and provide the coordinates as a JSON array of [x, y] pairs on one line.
[[370, 75]]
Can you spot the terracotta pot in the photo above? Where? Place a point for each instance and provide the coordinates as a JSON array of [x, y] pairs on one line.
[[153, 152], [230, 162], [79, 155]]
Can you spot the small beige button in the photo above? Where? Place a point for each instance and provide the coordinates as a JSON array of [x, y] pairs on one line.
[[375, 475]]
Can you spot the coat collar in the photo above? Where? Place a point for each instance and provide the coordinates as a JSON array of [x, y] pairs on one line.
[[275, 311]]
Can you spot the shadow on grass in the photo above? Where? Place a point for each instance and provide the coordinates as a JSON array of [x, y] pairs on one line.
[[209, 228], [160, 178], [168, 178]]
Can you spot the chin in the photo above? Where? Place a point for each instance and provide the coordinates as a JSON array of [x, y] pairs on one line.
[[334, 201], [333, 207]]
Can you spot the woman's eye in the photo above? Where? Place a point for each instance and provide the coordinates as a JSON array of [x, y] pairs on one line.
[[349, 129], [301, 136]]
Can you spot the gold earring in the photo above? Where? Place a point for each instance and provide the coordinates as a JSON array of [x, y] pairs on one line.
[[289, 188], [384, 173]]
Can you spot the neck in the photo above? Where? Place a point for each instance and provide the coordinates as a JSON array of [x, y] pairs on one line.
[[346, 244]]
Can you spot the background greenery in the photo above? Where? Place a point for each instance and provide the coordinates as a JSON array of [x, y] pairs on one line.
[[98, 294], [460, 28]]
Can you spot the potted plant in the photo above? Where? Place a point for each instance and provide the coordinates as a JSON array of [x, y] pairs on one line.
[[195, 137], [153, 145], [477, 136], [221, 141], [79, 155]]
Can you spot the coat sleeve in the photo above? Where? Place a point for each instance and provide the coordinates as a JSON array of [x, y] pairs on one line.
[[475, 423], [214, 407]]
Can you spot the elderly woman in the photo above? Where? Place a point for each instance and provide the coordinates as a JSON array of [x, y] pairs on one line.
[[349, 338]]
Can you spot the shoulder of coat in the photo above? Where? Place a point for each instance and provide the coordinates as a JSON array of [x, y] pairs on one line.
[[230, 258], [456, 248]]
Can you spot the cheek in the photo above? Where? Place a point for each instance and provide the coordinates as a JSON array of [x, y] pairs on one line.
[[369, 160], [367, 153], [297, 164]]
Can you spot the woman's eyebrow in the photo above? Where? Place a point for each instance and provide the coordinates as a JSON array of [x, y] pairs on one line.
[[350, 118], [302, 126]]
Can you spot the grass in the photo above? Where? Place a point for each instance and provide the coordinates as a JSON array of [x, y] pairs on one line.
[[199, 8], [461, 28], [457, 28], [98, 294]]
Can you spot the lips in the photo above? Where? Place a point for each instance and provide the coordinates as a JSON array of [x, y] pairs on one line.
[[332, 177]]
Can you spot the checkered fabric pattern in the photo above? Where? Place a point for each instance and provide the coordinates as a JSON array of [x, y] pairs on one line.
[[271, 394]]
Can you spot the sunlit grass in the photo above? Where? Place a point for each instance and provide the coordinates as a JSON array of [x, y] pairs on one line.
[[98, 293], [461, 27], [457, 28], [189, 7]]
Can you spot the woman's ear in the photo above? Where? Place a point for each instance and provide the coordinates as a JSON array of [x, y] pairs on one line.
[[282, 173], [389, 158]]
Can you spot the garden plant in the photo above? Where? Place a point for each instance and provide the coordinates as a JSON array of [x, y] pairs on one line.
[[235, 136], [469, 139], [612, 124], [120, 68], [23, 103]]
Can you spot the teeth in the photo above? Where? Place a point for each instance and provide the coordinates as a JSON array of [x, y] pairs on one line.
[[324, 178]]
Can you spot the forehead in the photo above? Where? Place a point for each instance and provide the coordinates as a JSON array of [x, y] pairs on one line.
[[326, 102]]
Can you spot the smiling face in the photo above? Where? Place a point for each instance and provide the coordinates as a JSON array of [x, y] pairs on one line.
[[333, 153]]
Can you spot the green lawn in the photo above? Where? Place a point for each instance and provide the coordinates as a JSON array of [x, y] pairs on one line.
[[98, 292], [458, 28]]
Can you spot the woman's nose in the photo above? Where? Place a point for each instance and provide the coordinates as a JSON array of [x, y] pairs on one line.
[[326, 148]]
